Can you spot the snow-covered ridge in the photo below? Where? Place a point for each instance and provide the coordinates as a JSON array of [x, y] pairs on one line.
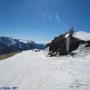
[[26, 41], [82, 35], [12, 41], [8, 44]]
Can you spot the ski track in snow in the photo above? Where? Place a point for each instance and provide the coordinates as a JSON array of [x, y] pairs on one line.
[[31, 70]]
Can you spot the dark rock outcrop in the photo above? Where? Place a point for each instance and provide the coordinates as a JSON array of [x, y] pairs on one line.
[[88, 44], [58, 45]]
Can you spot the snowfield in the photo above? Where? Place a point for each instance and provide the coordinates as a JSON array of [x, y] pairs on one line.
[[82, 35], [32, 70]]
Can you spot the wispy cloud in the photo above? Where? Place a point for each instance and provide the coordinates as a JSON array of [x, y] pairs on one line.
[[57, 18]]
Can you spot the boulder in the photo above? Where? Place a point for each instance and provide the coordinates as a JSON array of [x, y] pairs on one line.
[[88, 44], [58, 44]]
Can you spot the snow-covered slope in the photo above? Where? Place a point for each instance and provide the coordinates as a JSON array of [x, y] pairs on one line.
[[31, 70], [82, 35]]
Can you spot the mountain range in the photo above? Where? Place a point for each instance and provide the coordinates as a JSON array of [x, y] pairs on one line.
[[8, 44]]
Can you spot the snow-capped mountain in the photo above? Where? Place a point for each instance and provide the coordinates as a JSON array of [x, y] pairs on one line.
[[8, 44], [30, 70]]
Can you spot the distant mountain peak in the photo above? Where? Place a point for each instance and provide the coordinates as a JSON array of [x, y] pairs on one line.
[[8, 44]]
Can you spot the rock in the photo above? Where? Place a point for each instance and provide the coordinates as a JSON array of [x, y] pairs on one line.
[[88, 44], [58, 45]]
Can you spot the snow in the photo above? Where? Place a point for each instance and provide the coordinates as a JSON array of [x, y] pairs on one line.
[[26, 41], [82, 35], [67, 35], [32, 70]]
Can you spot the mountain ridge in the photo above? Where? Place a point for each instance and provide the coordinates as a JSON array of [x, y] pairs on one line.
[[8, 44]]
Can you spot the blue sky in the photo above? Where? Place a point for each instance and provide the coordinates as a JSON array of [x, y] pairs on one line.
[[42, 20]]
